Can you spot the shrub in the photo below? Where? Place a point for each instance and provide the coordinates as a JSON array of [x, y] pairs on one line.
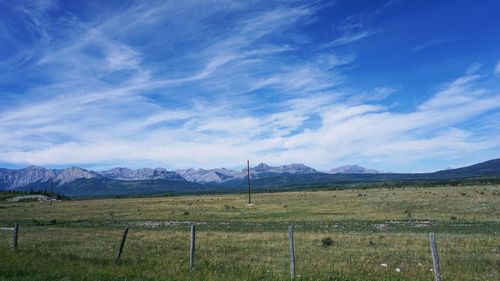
[[326, 241], [408, 213], [371, 243]]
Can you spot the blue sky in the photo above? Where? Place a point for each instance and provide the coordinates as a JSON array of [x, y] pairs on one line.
[[393, 85]]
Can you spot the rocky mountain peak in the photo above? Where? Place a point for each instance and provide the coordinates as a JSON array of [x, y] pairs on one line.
[[262, 166], [140, 174], [352, 169], [290, 168], [208, 176], [298, 168], [70, 174]]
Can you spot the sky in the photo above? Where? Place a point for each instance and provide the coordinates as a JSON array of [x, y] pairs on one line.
[[403, 86]]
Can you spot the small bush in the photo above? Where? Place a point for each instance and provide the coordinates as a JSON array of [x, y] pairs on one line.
[[326, 241], [371, 243], [408, 213]]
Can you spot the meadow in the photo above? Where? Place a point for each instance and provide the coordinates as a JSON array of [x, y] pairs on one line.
[[376, 234]]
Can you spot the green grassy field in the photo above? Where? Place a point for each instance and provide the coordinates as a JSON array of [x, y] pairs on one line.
[[77, 240]]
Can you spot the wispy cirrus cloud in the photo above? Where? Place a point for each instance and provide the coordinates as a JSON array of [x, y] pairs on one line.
[[349, 38], [218, 137], [431, 43]]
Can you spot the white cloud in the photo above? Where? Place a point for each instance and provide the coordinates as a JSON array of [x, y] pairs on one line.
[[214, 137], [349, 38], [497, 68], [431, 43]]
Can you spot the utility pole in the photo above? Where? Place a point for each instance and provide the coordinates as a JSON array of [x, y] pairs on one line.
[[249, 196], [51, 192]]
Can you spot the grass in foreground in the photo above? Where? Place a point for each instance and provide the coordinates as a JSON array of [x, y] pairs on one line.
[[77, 240]]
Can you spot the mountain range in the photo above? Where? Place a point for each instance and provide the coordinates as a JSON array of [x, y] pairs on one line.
[[78, 182], [12, 178]]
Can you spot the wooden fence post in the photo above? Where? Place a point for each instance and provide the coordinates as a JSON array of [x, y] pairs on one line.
[[119, 253], [292, 253], [192, 248], [14, 237], [435, 257]]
